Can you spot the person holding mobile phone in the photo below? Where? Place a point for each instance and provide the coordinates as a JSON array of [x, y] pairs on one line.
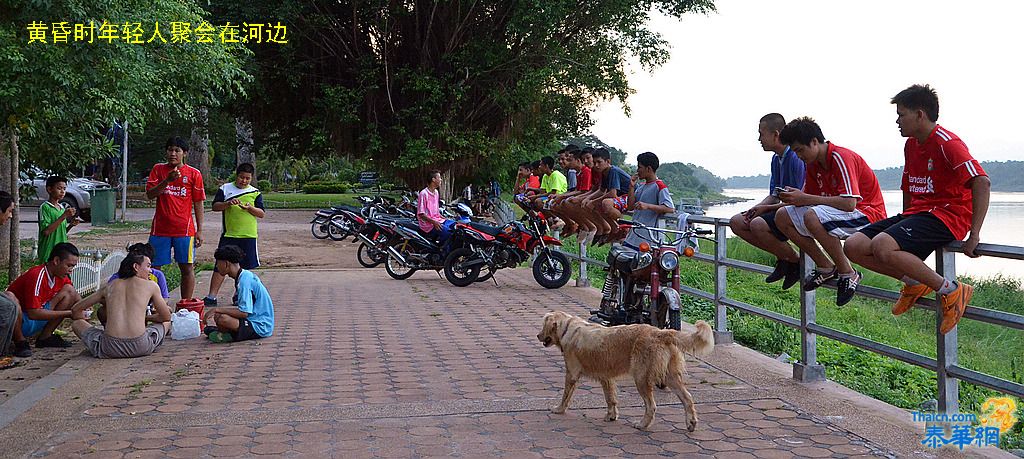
[[757, 224]]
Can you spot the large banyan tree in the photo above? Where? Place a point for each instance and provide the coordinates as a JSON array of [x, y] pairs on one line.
[[463, 86]]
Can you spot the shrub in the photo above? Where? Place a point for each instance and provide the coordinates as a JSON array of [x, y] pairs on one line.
[[264, 185], [318, 187]]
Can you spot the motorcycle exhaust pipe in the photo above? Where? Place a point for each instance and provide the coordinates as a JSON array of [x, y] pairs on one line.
[[398, 256], [362, 237]]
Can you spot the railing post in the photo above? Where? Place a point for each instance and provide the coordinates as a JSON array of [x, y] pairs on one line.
[[582, 280], [722, 333], [946, 353], [807, 369]]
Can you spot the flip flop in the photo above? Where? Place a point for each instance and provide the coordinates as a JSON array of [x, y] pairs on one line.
[[220, 337]]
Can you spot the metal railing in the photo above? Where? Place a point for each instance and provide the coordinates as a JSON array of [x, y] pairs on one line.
[[807, 369], [94, 268]]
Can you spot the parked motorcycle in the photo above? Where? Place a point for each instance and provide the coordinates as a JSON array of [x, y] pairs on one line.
[[412, 250], [642, 286], [510, 245]]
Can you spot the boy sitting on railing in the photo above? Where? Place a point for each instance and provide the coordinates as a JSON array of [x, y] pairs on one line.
[[840, 196], [945, 196]]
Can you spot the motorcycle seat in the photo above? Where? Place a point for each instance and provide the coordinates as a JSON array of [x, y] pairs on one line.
[[486, 229]]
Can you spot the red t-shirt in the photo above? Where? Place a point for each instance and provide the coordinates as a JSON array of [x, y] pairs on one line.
[[174, 217], [936, 176], [847, 176], [583, 179], [36, 287], [597, 179]]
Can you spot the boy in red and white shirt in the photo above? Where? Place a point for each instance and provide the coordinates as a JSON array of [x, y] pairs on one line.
[[45, 296], [179, 193], [945, 198], [840, 196]]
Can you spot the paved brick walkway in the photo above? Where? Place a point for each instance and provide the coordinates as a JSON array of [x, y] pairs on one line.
[[364, 366]]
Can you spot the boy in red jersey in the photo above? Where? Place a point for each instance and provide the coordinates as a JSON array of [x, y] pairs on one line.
[[179, 193], [945, 198], [840, 196]]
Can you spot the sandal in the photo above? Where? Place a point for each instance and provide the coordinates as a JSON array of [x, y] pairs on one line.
[[220, 337]]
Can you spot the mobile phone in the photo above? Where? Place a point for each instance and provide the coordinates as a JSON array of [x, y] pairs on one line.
[[779, 189]]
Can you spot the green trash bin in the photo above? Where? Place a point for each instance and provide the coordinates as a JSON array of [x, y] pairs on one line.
[[102, 206]]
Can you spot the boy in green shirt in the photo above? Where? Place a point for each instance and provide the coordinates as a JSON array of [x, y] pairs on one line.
[[241, 204], [54, 219]]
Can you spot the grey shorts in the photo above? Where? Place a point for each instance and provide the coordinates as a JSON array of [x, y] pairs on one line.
[[108, 347], [8, 316]]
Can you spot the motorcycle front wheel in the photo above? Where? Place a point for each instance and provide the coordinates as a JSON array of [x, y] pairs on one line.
[[552, 269], [319, 229], [458, 275], [396, 269], [664, 317], [369, 257]]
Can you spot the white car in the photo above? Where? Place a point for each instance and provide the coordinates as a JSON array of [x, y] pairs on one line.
[[78, 196]]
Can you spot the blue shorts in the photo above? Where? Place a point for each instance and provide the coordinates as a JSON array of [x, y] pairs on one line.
[[30, 327], [248, 246], [184, 249]]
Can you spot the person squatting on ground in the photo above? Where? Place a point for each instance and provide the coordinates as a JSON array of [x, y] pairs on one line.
[[45, 296], [945, 198], [179, 193], [124, 315], [241, 204], [9, 309], [54, 220], [253, 316], [757, 224], [840, 196]]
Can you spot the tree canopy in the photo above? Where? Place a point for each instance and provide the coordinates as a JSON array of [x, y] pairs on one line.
[[458, 85]]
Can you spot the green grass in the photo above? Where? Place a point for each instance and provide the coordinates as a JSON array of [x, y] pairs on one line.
[[117, 227], [990, 349]]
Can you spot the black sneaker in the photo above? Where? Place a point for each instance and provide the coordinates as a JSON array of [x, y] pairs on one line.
[[22, 349], [792, 276], [846, 287], [781, 268], [52, 341], [209, 302], [818, 278]]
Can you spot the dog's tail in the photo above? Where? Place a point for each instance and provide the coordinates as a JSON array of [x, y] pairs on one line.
[[700, 342]]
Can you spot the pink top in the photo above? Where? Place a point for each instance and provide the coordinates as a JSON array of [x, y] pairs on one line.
[[427, 204]]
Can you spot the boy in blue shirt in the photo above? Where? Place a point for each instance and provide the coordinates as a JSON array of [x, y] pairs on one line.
[[253, 317], [757, 224]]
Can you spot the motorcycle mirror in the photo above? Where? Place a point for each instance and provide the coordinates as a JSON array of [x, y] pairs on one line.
[[645, 247]]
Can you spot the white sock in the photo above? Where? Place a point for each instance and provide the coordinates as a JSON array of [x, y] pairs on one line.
[[948, 287]]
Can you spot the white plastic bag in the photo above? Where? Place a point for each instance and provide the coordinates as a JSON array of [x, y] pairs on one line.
[[185, 324]]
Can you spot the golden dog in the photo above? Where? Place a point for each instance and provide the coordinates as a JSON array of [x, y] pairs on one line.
[[651, 355]]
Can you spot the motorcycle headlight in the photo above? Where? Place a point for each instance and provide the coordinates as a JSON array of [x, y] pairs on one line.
[[669, 261]]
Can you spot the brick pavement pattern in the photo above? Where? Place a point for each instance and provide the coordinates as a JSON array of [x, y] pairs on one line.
[[361, 365]]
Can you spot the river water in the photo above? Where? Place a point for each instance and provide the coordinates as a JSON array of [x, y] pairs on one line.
[[1003, 225]]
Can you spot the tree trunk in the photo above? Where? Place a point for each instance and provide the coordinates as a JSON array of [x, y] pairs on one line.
[[243, 135], [199, 145], [5, 184], [447, 187], [13, 258]]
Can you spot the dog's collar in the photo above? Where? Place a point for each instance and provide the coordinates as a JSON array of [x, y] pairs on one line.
[[563, 333]]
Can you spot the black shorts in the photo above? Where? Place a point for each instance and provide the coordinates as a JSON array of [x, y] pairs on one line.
[[920, 234], [245, 331], [769, 218], [249, 248]]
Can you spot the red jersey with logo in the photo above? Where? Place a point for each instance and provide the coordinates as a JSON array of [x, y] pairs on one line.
[[36, 287], [583, 179], [174, 216], [597, 179], [937, 175], [847, 175]]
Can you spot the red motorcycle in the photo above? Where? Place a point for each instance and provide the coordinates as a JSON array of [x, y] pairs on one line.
[[507, 247], [642, 286]]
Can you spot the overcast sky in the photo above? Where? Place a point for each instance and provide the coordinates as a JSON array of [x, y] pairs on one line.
[[838, 62]]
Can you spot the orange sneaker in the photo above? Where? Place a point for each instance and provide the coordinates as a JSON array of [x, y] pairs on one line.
[[954, 305], [909, 295]]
